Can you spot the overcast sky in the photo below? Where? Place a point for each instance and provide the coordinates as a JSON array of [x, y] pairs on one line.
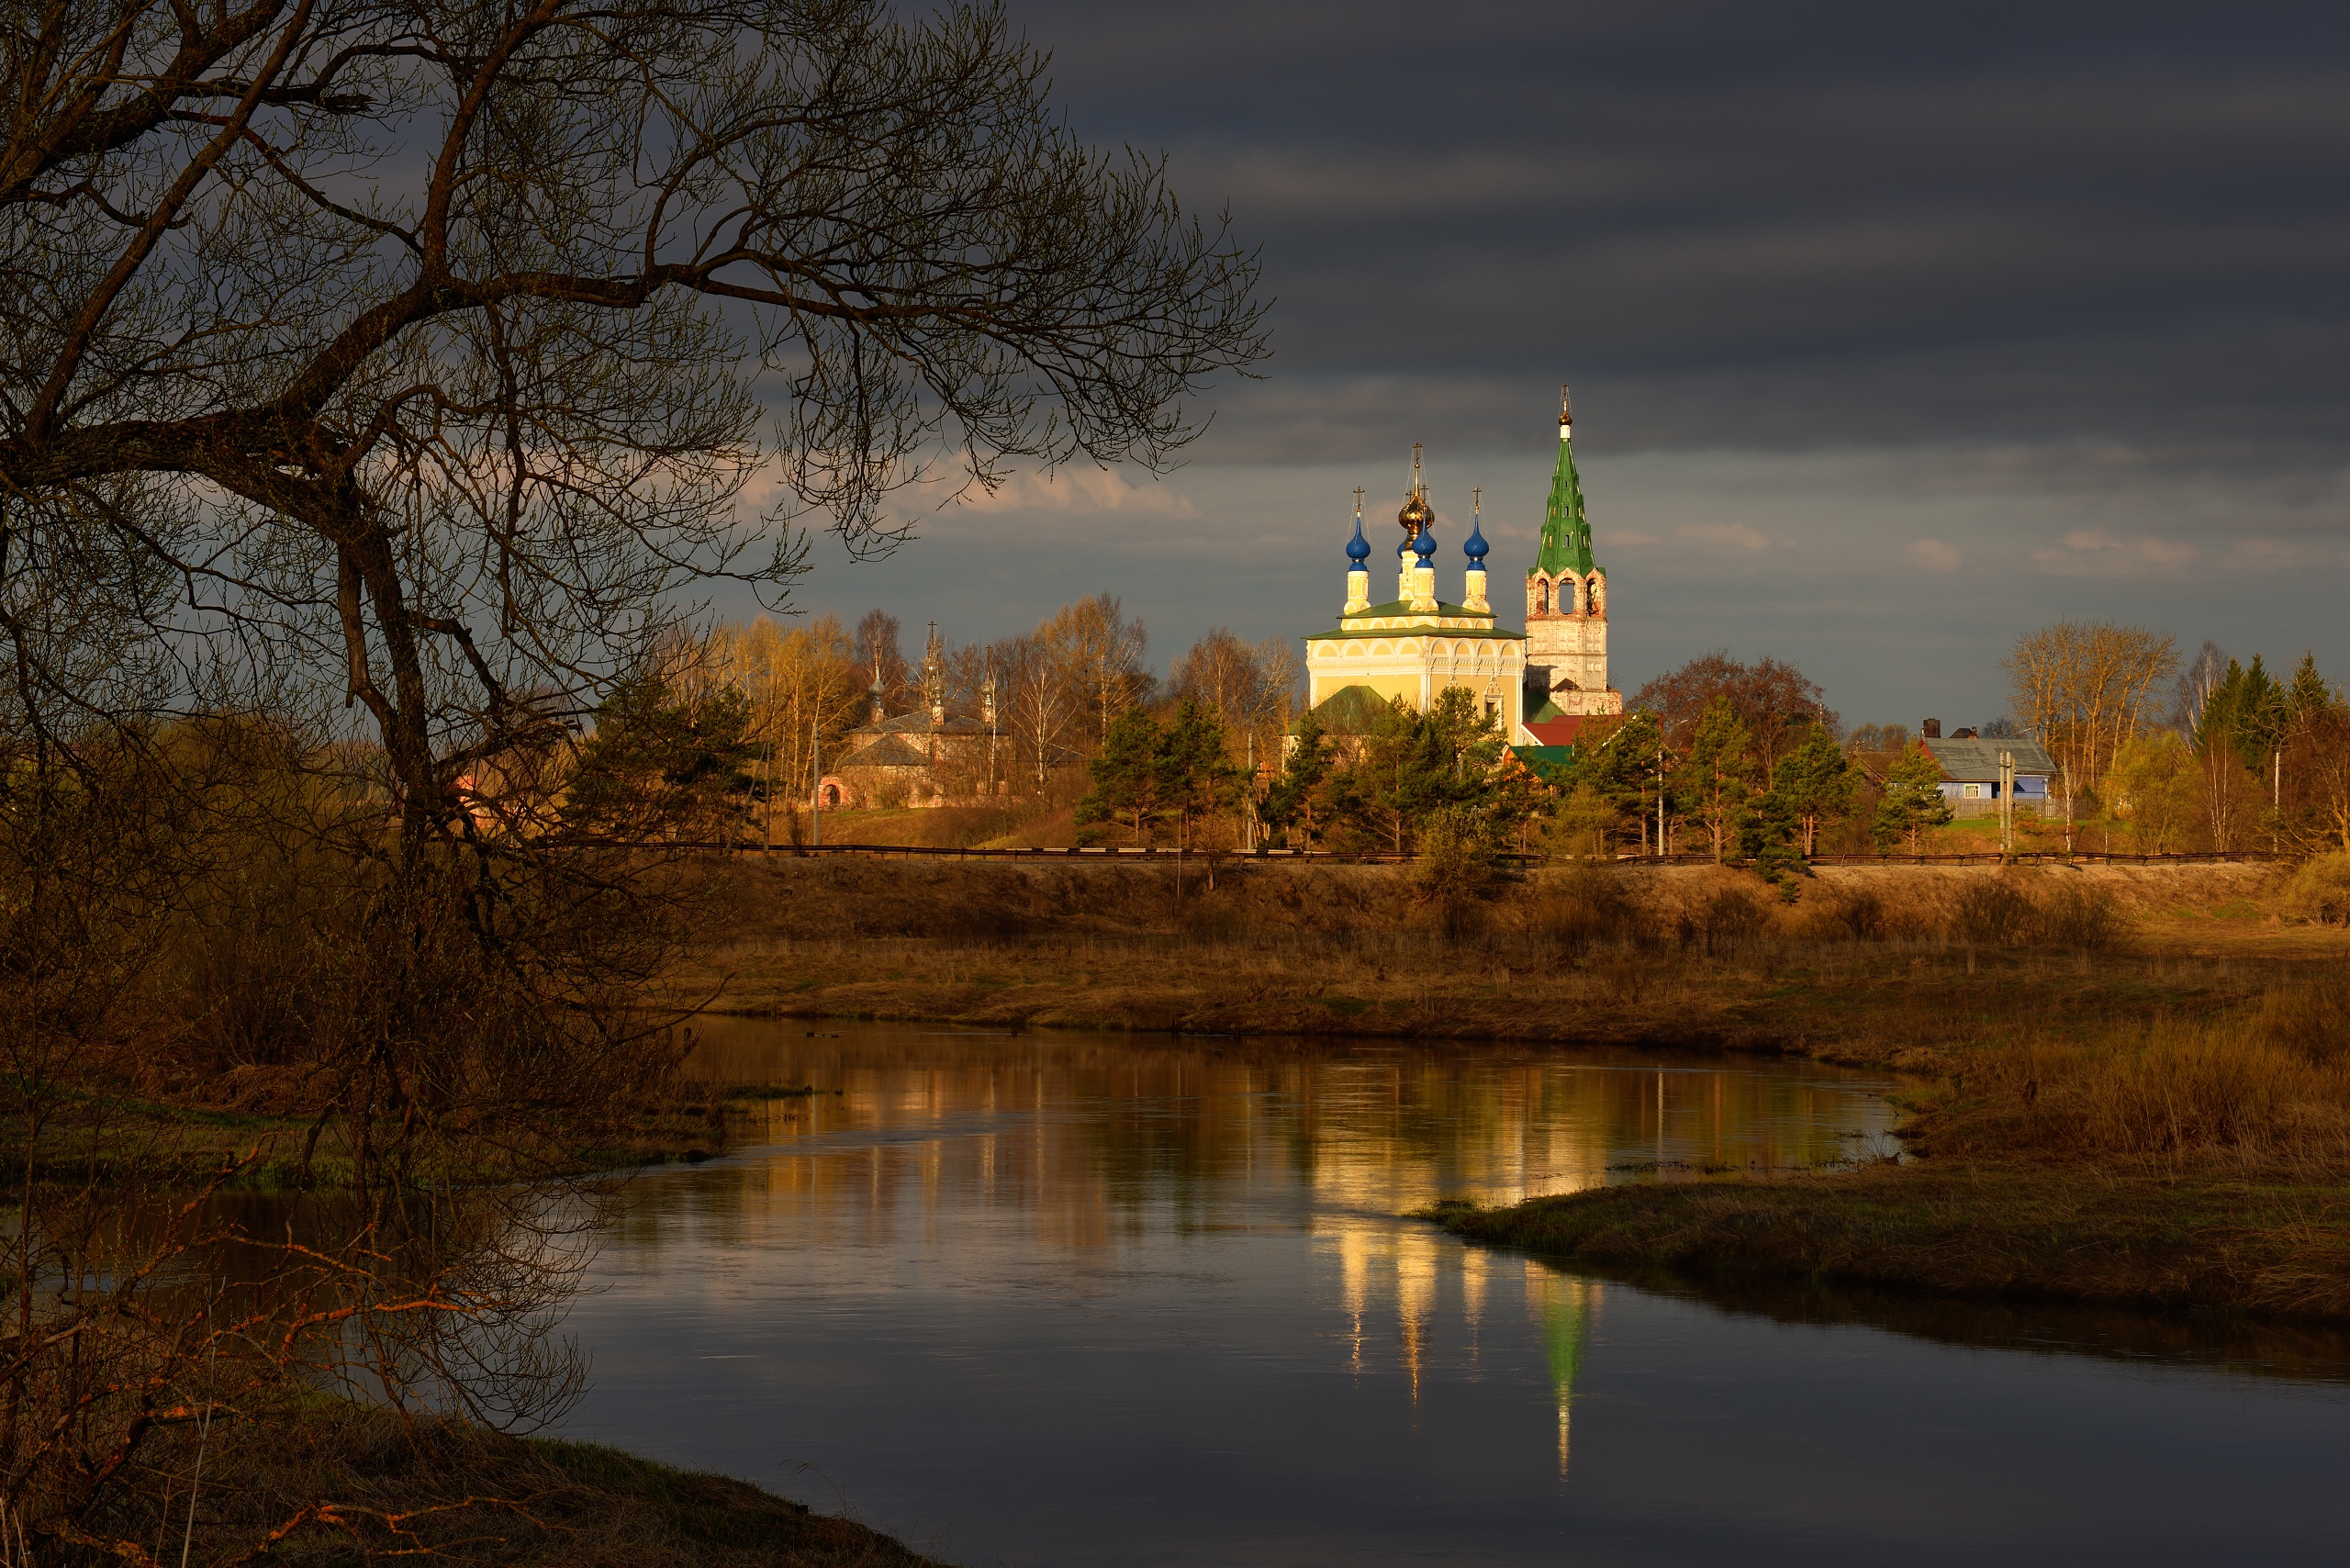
[[1894, 332]]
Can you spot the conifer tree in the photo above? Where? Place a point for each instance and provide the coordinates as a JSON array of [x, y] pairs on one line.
[[1193, 777], [1291, 799], [1913, 799], [1715, 777], [1814, 782], [1128, 777]]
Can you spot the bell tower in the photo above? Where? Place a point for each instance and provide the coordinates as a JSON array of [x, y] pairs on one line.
[[1566, 599]]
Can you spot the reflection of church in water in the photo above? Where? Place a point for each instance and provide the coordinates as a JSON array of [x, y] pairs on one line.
[[1376, 1258], [1539, 685]]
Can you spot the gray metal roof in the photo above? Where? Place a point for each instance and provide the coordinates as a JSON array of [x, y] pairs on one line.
[[1978, 761], [889, 751]]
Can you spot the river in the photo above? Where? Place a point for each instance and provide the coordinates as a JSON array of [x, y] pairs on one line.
[[1061, 1299]]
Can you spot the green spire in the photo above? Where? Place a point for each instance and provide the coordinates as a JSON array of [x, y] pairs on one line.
[[1566, 533]]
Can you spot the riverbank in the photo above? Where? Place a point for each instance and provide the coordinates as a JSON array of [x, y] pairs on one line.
[[1877, 966], [2131, 1084], [2277, 1248], [2195, 1165], [345, 1485]]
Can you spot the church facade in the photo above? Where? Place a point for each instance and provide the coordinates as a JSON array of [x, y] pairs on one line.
[[1537, 685]]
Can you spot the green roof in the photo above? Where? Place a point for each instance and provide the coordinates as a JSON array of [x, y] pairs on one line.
[[1350, 709], [1566, 532], [1549, 711]]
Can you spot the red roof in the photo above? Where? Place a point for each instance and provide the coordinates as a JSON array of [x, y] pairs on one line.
[[1556, 732]]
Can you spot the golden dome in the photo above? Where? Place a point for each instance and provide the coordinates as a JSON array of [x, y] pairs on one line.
[[1414, 516]]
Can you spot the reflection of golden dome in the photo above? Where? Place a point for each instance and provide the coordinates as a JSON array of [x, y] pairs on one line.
[[1414, 516]]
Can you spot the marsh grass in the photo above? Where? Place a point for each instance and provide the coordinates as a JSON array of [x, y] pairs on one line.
[[2265, 1088]]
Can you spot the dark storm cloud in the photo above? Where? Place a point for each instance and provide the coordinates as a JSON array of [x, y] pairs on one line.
[[1895, 332], [1736, 225]]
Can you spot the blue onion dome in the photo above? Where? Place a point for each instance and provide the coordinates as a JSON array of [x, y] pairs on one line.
[[1474, 547], [1357, 548], [1425, 543]]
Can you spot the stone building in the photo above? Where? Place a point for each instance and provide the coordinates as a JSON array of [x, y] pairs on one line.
[[926, 757], [1414, 645], [1566, 610]]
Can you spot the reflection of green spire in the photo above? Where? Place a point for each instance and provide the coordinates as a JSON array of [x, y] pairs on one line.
[[1566, 1321], [1566, 533], [1566, 1324]]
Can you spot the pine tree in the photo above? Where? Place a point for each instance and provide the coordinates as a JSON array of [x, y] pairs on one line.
[[1194, 777], [1913, 799], [660, 764], [1128, 777], [1715, 778], [1291, 799], [1814, 782]]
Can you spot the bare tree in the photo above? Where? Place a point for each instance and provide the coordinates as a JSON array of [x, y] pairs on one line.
[[2083, 688], [2195, 683], [1045, 701], [416, 343], [1104, 650], [1250, 686], [1773, 698], [879, 652]]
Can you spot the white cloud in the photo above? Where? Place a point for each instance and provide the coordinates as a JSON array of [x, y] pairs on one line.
[[2095, 553], [1077, 490], [1737, 535], [1933, 554]]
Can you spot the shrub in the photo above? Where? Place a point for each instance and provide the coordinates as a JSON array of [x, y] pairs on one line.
[[1993, 913], [1858, 915], [1586, 907], [2082, 916], [2321, 890], [1730, 921]]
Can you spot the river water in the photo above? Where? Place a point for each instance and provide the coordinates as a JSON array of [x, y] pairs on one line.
[[1071, 1299]]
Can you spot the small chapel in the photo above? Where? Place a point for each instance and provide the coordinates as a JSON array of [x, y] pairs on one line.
[[1540, 685]]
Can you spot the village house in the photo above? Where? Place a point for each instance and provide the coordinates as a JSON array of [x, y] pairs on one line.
[[1970, 768]]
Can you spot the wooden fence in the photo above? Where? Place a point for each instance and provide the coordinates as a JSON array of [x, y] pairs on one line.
[[1131, 855]]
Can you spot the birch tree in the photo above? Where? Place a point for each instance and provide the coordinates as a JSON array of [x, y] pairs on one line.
[[2083, 688]]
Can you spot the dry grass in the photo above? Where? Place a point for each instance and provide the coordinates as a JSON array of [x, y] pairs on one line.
[[2266, 1247], [2263, 1091], [368, 1488], [2173, 1162], [1871, 965]]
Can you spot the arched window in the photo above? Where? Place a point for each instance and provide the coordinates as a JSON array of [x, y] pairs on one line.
[[1542, 599]]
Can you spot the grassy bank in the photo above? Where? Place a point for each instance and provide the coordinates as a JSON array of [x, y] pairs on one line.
[[2177, 1164], [348, 1485], [2276, 1247], [1882, 965]]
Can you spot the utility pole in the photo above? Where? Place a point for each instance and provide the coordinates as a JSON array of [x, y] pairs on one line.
[[1248, 802], [2008, 801], [815, 789], [1659, 796]]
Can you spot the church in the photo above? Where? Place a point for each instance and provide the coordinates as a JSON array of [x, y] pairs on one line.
[[1539, 685]]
